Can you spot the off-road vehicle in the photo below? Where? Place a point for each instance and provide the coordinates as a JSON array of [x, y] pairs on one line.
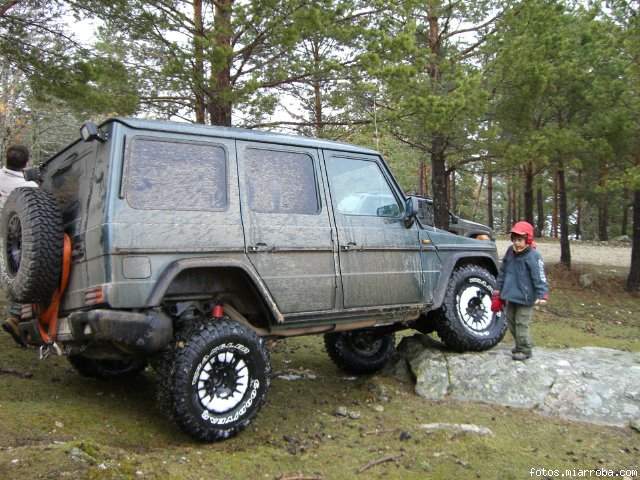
[[457, 224], [187, 247]]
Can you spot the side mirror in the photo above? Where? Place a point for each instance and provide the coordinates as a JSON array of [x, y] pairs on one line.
[[388, 211], [410, 211], [90, 131]]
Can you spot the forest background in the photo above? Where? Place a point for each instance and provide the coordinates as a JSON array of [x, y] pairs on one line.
[[498, 110]]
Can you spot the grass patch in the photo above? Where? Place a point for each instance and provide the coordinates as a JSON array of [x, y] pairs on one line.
[[57, 424], [602, 315]]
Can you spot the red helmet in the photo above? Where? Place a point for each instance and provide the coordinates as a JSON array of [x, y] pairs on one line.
[[524, 228]]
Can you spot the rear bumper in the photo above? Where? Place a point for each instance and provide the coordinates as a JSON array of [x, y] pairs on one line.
[[146, 332], [139, 332]]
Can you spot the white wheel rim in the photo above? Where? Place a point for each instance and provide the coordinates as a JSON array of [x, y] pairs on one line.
[[468, 300], [214, 392]]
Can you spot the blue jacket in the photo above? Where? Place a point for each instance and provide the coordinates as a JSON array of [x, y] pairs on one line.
[[522, 279]]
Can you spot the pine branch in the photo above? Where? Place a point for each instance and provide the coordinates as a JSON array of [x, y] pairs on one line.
[[44, 28], [476, 27], [406, 141]]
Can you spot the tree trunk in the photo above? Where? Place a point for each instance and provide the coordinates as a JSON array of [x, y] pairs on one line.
[[439, 183], [453, 201], [554, 217], [540, 204], [317, 97], [317, 93], [579, 209], [438, 139], [220, 96], [198, 62], [565, 250], [514, 201], [603, 205], [423, 179], [528, 193], [507, 226], [7, 6], [633, 281], [477, 202], [625, 212], [490, 219], [603, 218]]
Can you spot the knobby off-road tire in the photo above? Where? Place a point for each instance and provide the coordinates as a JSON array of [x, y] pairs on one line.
[[214, 379], [106, 369], [31, 240], [360, 351], [466, 320]]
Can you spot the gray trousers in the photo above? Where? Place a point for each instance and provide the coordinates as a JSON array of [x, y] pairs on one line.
[[518, 319]]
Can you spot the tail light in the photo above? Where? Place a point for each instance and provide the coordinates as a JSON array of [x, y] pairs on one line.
[[94, 296]]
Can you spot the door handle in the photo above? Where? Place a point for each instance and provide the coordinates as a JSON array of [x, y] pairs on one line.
[[258, 247], [348, 246]]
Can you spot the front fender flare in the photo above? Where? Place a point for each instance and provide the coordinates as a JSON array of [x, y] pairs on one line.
[[450, 264]]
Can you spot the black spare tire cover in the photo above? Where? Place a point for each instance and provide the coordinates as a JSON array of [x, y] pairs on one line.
[[31, 241]]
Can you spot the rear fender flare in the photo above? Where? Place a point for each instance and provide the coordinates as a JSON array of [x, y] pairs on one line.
[[179, 266]]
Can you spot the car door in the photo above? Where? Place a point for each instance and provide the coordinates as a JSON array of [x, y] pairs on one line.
[[287, 229], [380, 262]]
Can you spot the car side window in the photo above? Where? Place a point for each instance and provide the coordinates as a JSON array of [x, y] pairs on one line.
[[281, 182], [171, 175], [358, 187]]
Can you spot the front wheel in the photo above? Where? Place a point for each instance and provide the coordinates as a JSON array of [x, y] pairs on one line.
[[219, 379], [466, 321], [360, 351]]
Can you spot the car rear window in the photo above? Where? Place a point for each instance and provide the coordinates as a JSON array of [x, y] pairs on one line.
[[175, 175]]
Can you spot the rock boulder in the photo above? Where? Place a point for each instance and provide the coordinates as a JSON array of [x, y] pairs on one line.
[[597, 385]]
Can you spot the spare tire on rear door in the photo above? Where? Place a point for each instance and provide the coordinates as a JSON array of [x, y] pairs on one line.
[[31, 240]]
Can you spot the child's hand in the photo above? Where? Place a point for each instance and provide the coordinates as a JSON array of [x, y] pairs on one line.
[[496, 302], [541, 301]]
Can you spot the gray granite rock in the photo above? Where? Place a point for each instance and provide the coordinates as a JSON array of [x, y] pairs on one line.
[[585, 280], [457, 428], [597, 385]]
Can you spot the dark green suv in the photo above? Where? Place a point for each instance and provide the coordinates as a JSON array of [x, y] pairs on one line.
[[187, 247], [457, 225]]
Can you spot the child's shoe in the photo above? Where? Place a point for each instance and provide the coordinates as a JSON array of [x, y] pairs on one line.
[[520, 356]]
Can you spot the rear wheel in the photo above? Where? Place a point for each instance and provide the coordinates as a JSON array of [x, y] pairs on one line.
[[466, 321], [217, 379], [106, 368], [360, 351]]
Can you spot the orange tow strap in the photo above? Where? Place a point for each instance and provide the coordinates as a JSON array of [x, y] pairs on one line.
[[48, 320]]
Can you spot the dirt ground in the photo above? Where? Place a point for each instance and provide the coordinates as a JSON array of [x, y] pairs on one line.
[[581, 252], [55, 424]]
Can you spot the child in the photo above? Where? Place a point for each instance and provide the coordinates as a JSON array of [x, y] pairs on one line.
[[521, 284]]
